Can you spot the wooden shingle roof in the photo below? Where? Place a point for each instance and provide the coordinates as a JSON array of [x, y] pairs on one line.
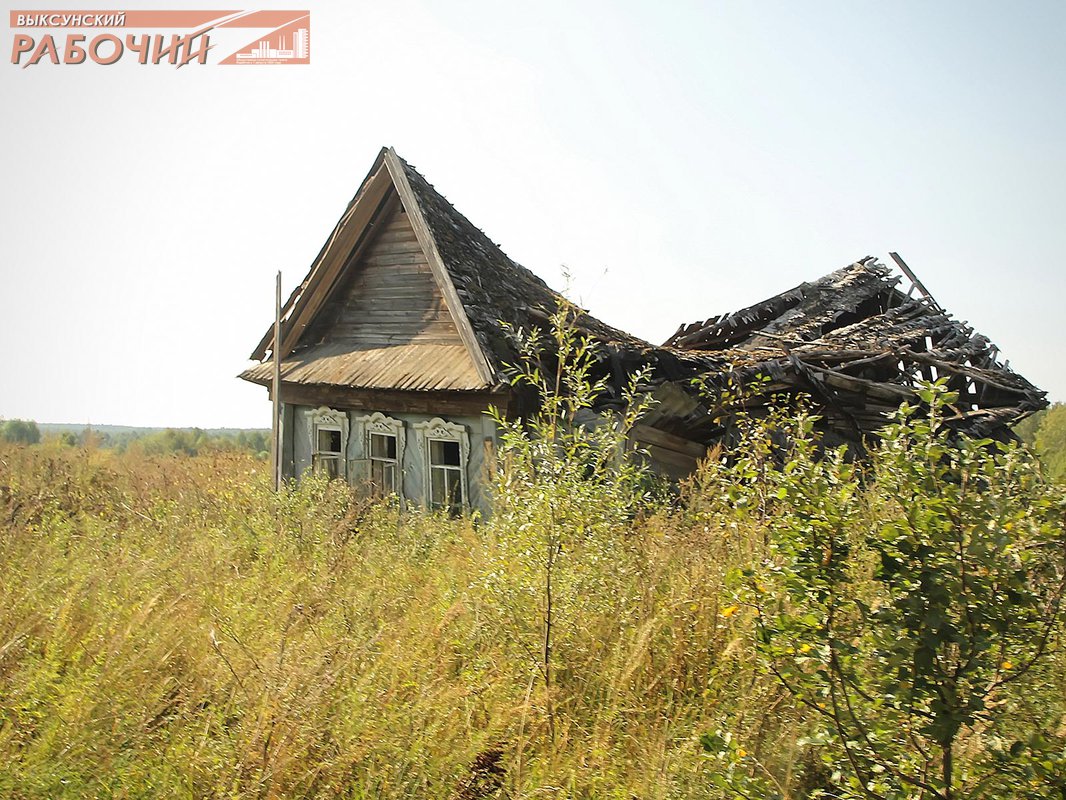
[[485, 293]]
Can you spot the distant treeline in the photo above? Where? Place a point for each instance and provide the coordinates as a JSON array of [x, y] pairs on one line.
[[152, 441]]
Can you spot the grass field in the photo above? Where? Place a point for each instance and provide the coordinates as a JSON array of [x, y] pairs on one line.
[[169, 627]]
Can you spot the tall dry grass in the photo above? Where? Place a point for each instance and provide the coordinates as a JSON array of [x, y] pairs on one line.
[[171, 628]]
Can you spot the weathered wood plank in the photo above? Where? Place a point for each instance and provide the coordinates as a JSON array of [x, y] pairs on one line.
[[352, 233], [398, 234], [357, 340], [401, 318], [425, 238], [670, 463], [668, 441], [396, 260], [459, 403], [392, 297], [397, 281]]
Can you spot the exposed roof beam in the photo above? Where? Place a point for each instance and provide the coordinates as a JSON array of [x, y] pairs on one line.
[[914, 280]]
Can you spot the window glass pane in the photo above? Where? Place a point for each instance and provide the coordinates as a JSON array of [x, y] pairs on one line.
[[382, 445], [443, 453], [383, 475], [329, 441], [437, 488], [455, 490], [446, 489], [331, 467]]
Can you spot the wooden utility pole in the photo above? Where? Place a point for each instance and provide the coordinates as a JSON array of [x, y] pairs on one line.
[[275, 421]]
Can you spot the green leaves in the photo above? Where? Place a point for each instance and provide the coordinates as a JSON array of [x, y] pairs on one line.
[[901, 602], [566, 488]]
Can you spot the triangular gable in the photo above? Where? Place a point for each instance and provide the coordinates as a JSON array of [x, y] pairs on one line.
[[383, 191], [387, 296], [487, 294]]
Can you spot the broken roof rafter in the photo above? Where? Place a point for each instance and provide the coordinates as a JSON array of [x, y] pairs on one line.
[[863, 346]]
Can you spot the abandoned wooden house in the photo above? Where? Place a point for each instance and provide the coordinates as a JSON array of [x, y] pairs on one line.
[[397, 342]]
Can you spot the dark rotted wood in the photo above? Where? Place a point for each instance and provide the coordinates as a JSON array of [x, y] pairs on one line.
[[859, 345], [443, 403], [914, 280]]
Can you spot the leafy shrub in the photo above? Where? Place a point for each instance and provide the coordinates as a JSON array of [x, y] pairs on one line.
[[169, 626], [906, 603]]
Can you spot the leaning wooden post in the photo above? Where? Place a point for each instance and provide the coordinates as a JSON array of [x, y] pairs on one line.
[[275, 422]]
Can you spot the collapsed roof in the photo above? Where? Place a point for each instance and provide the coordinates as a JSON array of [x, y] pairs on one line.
[[853, 341], [859, 346]]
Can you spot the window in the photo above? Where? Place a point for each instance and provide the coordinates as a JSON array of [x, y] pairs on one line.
[[383, 462], [328, 452], [445, 476], [329, 437], [382, 458], [446, 449]]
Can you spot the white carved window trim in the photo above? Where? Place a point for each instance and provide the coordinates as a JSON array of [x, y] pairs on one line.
[[438, 429], [328, 419], [380, 424]]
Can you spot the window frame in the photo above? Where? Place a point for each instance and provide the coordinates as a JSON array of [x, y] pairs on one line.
[[378, 424], [331, 420], [440, 430], [385, 465]]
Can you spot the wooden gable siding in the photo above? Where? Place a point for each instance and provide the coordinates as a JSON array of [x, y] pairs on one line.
[[385, 326], [389, 298]]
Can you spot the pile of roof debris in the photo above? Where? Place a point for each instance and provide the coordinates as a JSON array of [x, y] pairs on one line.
[[857, 346]]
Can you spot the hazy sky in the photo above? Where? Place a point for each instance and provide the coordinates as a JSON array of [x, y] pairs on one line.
[[680, 159]]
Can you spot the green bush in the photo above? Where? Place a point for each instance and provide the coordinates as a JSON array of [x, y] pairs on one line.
[[908, 604]]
